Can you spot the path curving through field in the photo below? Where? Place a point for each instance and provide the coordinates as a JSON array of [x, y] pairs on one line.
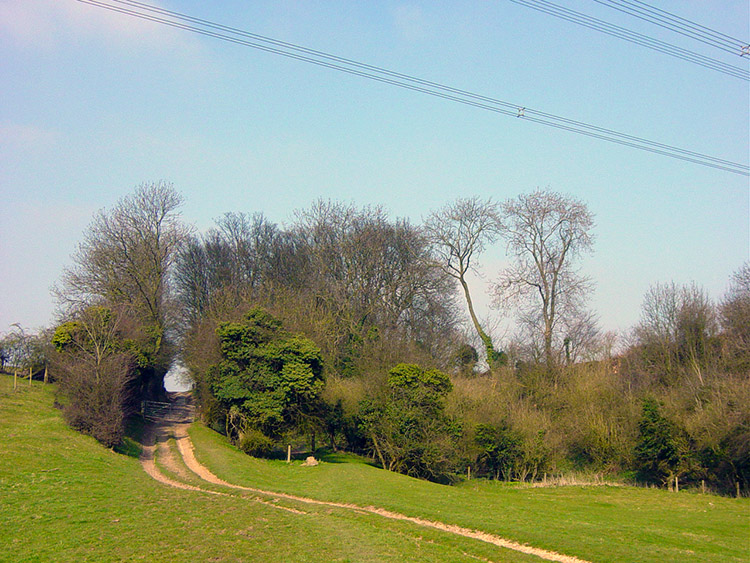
[[176, 425]]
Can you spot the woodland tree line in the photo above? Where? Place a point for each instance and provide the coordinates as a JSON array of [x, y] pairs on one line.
[[353, 331]]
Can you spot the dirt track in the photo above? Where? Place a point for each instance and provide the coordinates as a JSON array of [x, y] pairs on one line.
[[176, 425]]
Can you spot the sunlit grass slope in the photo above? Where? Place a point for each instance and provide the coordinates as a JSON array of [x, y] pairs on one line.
[[601, 523], [65, 498]]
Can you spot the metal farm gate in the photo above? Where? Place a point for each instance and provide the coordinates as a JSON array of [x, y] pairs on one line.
[[156, 410]]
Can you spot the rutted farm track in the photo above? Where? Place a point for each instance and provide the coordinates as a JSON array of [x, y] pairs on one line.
[[168, 442]]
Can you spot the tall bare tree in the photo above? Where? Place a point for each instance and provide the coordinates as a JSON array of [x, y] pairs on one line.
[[735, 320], [126, 258], [676, 330], [226, 265], [545, 233], [459, 233], [127, 252]]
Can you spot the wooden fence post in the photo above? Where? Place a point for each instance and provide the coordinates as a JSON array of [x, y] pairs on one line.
[[468, 473], [288, 453], [29, 376], [15, 379], [703, 486]]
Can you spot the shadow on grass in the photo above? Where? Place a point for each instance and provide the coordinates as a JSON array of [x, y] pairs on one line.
[[131, 444], [329, 456]]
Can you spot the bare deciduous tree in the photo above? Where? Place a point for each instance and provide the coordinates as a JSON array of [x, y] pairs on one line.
[[356, 281], [545, 233], [735, 320], [125, 259], [368, 271], [459, 233], [94, 370], [94, 335], [127, 254], [675, 330], [225, 265], [583, 338], [22, 349]]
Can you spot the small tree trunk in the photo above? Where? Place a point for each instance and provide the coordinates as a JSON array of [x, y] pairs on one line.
[[548, 356], [380, 455], [332, 440], [15, 379], [312, 442], [30, 371], [486, 340], [46, 379]]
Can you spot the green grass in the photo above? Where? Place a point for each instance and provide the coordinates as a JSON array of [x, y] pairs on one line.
[[63, 497], [131, 444], [598, 523]]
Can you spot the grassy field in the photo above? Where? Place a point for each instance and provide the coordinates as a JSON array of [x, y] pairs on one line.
[[65, 498], [598, 523]]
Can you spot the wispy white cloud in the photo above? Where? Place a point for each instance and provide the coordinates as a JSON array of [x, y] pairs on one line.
[[410, 22], [14, 136], [45, 24]]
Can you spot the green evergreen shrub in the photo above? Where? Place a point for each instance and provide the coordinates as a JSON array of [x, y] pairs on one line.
[[663, 450], [255, 443]]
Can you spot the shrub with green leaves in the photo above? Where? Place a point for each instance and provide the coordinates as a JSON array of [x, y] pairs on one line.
[[255, 443], [408, 427], [501, 450], [663, 450], [268, 380]]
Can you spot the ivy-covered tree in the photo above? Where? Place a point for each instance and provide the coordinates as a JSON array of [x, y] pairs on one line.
[[459, 232], [663, 450], [501, 450], [268, 380], [408, 428], [465, 359]]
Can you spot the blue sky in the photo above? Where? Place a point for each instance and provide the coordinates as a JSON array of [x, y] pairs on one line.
[[93, 103]]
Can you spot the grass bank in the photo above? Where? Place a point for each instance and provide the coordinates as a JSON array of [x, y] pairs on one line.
[[597, 523], [65, 498]]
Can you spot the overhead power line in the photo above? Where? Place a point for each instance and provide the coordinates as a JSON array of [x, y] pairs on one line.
[[634, 37], [240, 37], [680, 25]]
